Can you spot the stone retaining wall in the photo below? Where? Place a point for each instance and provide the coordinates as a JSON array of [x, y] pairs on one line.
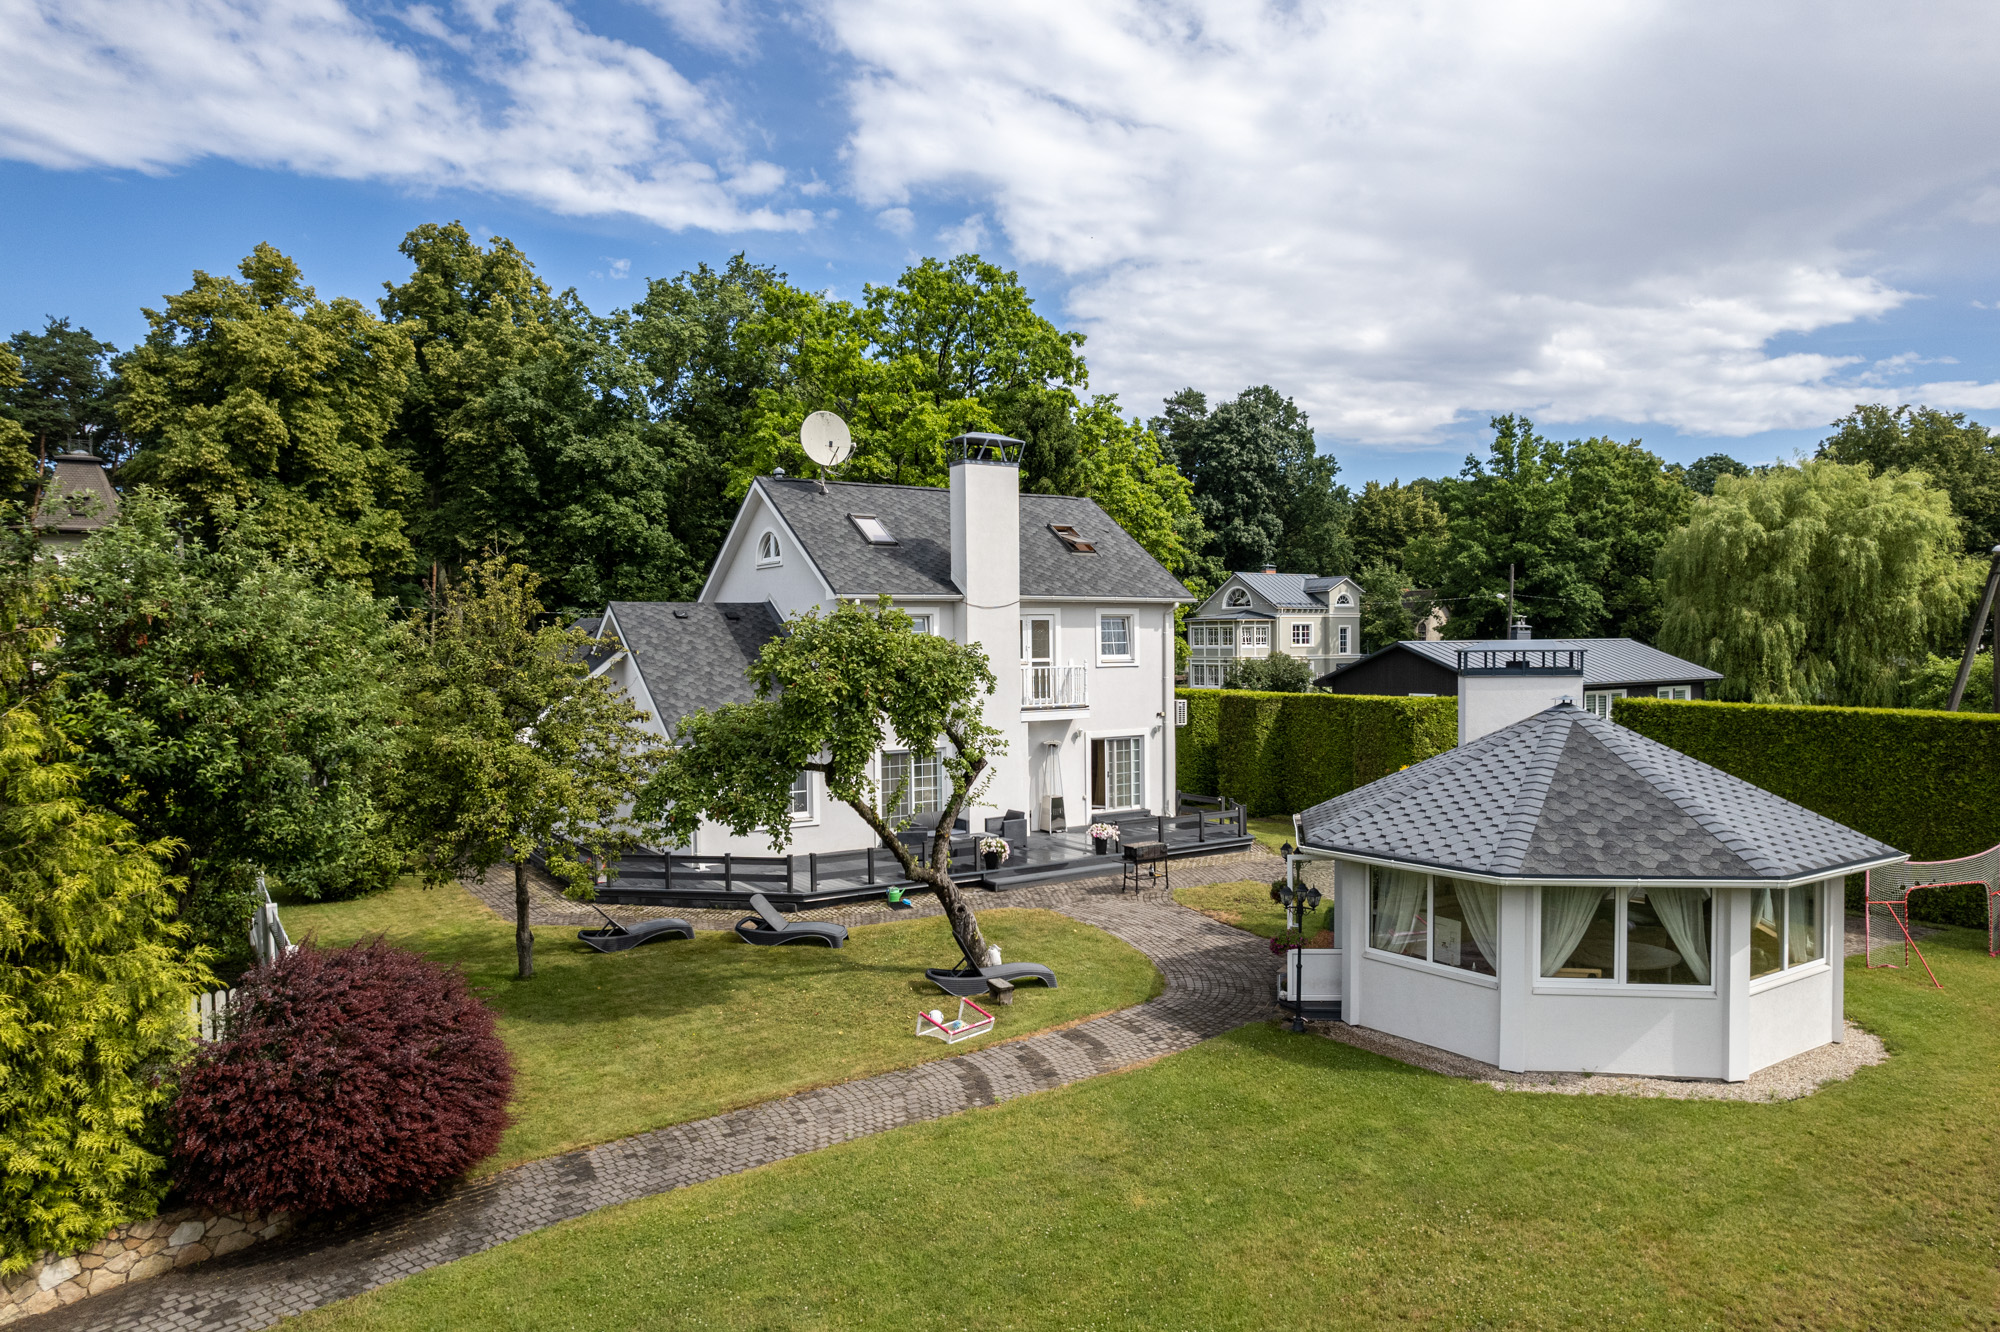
[[133, 1253]]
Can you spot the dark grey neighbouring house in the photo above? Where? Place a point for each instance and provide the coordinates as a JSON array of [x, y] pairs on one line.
[[1611, 668], [1566, 895]]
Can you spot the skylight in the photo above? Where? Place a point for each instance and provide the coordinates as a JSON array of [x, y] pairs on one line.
[[1070, 537], [871, 529]]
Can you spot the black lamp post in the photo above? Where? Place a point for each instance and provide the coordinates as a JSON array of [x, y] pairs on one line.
[[1297, 897]]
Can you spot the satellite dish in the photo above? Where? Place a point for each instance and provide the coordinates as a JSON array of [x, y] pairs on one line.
[[825, 439]]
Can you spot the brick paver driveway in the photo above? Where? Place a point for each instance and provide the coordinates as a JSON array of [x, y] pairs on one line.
[[1217, 978]]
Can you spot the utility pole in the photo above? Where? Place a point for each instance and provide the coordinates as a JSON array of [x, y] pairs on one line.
[[1510, 601], [1972, 641]]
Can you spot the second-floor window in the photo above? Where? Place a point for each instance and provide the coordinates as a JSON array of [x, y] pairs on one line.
[[1302, 634], [1346, 638], [1114, 638], [920, 624], [767, 549], [1038, 640], [1255, 636]]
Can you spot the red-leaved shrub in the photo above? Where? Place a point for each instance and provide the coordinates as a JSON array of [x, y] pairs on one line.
[[348, 1078]]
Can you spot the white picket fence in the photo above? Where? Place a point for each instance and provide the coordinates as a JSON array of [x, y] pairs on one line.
[[210, 1010]]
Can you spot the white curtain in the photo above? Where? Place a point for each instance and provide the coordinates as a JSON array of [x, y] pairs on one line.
[[1480, 904], [1566, 916], [1679, 909], [1399, 898]]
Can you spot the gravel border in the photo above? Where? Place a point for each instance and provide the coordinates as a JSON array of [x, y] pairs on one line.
[[1787, 1080]]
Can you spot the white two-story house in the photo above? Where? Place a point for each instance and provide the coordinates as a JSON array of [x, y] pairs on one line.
[[1255, 614], [1075, 617]]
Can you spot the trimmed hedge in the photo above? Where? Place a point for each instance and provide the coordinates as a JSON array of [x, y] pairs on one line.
[[1281, 753], [1924, 782]]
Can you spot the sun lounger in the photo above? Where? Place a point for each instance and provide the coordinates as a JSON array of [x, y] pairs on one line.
[[612, 937], [971, 979], [768, 927]]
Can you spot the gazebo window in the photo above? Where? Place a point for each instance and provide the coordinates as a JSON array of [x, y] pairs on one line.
[[1784, 929], [1645, 936], [1446, 921]]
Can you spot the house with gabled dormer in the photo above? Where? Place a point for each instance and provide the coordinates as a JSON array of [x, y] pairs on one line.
[[1076, 619], [1255, 614]]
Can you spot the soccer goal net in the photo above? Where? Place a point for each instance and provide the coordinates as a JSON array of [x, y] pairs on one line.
[[1890, 941]]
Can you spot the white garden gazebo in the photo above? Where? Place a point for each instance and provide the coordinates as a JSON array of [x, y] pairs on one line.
[[1565, 895]]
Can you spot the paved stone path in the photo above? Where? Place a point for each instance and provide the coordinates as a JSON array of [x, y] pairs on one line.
[[1217, 978]]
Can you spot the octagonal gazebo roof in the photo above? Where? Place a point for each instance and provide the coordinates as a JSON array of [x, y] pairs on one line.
[[1568, 795]]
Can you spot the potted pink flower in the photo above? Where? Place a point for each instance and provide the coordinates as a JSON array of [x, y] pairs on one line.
[[1102, 835]]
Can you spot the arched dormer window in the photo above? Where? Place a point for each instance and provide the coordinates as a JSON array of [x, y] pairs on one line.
[[1238, 597], [1343, 600], [767, 549]]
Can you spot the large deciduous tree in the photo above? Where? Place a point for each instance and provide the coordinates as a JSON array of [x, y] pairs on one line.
[[1961, 456], [1262, 489], [258, 394], [1580, 523], [510, 745], [65, 395], [1822, 583], [225, 699], [1386, 519], [18, 468], [831, 695], [527, 429], [95, 972]]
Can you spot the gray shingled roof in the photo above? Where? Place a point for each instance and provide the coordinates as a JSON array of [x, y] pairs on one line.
[[1290, 591], [76, 479], [1606, 661], [696, 658], [919, 565], [1565, 794]]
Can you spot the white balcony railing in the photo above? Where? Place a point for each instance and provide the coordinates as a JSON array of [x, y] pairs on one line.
[[1055, 687]]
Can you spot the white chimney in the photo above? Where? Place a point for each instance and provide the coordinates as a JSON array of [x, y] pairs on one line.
[[986, 565], [1499, 685]]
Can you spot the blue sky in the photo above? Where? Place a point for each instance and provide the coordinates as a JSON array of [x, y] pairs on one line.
[[1710, 227]]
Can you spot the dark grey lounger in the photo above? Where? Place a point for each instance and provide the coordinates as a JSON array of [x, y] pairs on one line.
[[768, 927], [970, 979], [615, 938]]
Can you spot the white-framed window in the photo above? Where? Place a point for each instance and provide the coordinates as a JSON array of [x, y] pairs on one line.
[[1038, 640], [1346, 636], [1256, 635], [802, 798], [1673, 691], [1114, 640], [1237, 597], [1449, 922], [1785, 929], [921, 624], [1118, 772], [1343, 600], [872, 529], [1599, 701], [911, 784], [1302, 633], [1210, 647], [768, 550], [1660, 935]]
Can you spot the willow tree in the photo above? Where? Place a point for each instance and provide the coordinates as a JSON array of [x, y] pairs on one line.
[[830, 695], [1821, 583]]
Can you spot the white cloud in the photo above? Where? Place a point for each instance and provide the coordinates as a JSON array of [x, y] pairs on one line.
[[965, 236], [719, 25], [1409, 214], [620, 268], [896, 221], [516, 98]]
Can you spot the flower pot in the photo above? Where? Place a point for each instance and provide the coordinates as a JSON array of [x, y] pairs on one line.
[[1100, 846], [992, 859]]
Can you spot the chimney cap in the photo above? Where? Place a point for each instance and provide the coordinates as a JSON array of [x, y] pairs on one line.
[[983, 448], [1270, 568], [1519, 629]]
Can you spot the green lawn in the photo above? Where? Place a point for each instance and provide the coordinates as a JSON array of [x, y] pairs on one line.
[[1273, 830], [1265, 1180], [1248, 906], [609, 1045]]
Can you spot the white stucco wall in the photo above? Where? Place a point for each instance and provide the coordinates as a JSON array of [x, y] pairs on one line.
[[1486, 703], [791, 585], [1527, 1023]]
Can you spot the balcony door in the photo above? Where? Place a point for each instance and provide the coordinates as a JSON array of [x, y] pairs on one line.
[[1038, 651]]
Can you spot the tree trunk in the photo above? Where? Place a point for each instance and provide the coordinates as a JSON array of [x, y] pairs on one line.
[[524, 936], [964, 924]]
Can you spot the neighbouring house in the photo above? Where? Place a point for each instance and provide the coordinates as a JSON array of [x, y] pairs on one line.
[[1565, 895], [1253, 614], [77, 499], [1075, 618], [1498, 681]]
